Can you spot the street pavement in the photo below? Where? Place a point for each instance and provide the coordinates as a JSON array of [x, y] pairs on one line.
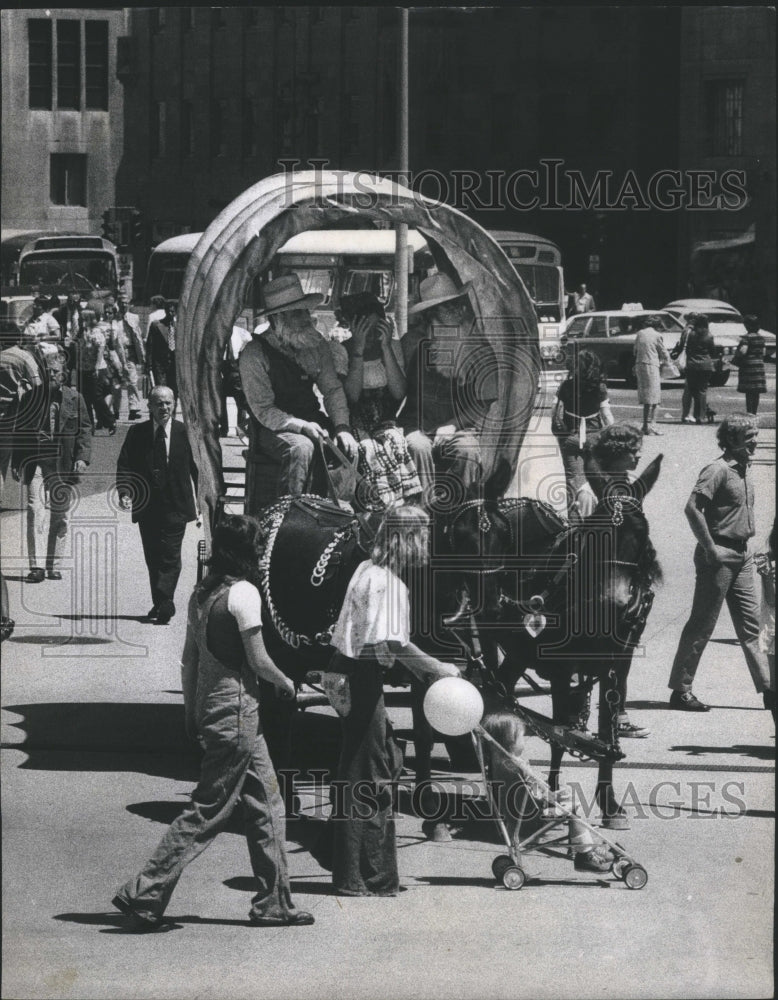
[[95, 764]]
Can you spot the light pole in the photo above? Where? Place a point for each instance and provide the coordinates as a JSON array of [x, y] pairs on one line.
[[401, 240]]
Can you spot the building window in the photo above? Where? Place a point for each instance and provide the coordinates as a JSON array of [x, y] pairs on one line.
[[217, 18], [188, 18], [158, 129], [187, 129], [96, 65], [251, 15], [219, 128], [39, 59], [67, 178], [353, 124], [156, 19], [724, 117], [69, 65], [249, 137]]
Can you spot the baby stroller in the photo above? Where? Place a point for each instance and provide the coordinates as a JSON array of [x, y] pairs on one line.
[[547, 811]]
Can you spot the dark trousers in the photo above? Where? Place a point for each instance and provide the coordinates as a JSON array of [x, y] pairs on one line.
[[95, 386], [162, 533], [696, 391], [166, 375]]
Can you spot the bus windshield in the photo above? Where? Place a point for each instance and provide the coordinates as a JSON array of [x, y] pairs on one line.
[[83, 271], [166, 275], [544, 284]]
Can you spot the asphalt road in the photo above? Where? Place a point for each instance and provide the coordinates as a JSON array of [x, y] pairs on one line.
[[94, 765]]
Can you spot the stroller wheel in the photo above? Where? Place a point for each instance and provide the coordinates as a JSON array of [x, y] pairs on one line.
[[619, 866], [501, 864], [635, 876], [513, 877]]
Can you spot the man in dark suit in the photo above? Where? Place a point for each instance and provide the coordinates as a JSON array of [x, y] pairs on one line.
[[161, 348], [154, 476]]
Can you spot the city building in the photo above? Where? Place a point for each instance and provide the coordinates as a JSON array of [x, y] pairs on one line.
[[62, 117], [728, 89]]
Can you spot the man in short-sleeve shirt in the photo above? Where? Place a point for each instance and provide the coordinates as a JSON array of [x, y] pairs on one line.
[[720, 512]]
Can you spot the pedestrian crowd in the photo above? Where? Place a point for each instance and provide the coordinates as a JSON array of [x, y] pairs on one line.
[[406, 415]]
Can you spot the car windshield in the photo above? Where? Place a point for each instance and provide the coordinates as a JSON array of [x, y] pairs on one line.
[[720, 317], [81, 272]]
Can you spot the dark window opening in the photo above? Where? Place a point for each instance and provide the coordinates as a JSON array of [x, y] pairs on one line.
[[219, 128], [217, 17], [96, 65], [158, 130], [39, 52], [187, 129], [67, 178], [188, 18], [249, 122], [69, 65], [724, 117]]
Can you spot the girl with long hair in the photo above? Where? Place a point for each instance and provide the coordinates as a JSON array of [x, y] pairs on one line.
[[223, 657], [373, 631]]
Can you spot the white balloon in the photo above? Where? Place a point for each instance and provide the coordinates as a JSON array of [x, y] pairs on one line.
[[453, 706]]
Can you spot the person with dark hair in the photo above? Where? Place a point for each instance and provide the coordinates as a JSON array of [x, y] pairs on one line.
[[161, 349], [581, 410], [375, 387], [720, 512], [701, 354], [650, 353], [93, 381], [155, 476], [41, 327], [223, 657], [613, 455], [749, 361]]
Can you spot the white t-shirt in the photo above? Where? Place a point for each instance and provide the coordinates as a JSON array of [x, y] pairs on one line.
[[245, 605], [376, 612]]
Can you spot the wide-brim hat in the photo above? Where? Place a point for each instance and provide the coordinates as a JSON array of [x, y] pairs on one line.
[[435, 290], [285, 293]]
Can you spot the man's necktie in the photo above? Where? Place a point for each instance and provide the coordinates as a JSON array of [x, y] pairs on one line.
[[159, 456], [171, 336]]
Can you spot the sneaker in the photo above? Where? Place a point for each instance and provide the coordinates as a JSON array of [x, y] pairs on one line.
[[632, 731], [685, 701], [688, 420], [598, 859]]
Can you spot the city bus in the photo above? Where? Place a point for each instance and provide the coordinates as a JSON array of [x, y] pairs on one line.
[[58, 262], [538, 262], [332, 262]]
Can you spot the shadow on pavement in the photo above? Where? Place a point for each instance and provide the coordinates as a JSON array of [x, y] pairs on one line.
[[747, 749], [60, 640], [114, 923], [664, 706]]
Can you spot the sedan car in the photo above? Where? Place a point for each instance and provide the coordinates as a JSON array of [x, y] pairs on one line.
[[611, 335], [725, 322]]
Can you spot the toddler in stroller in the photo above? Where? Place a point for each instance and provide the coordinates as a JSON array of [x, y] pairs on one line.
[[527, 805]]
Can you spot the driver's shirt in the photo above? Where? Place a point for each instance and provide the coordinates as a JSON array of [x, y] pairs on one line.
[[44, 327]]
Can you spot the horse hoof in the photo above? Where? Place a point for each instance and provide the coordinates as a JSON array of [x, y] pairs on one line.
[[439, 833], [619, 822]]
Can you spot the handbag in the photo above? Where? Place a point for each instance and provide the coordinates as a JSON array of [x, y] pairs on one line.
[[668, 370], [340, 471], [678, 355]]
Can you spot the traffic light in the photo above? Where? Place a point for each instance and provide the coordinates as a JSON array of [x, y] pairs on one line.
[[110, 226], [137, 228]]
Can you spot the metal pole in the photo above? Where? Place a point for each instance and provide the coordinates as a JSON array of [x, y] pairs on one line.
[[401, 244]]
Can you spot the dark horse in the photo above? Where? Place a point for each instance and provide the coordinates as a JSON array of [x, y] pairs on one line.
[[569, 602], [311, 550]]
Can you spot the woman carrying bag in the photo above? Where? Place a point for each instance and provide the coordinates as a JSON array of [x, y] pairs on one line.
[[749, 361], [700, 349]]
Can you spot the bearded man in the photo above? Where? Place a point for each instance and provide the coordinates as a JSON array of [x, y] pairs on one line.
[[278, 371], [452, 382]]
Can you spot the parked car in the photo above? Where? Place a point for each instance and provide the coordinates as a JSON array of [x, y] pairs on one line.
[[726, 323], [611, 335]]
